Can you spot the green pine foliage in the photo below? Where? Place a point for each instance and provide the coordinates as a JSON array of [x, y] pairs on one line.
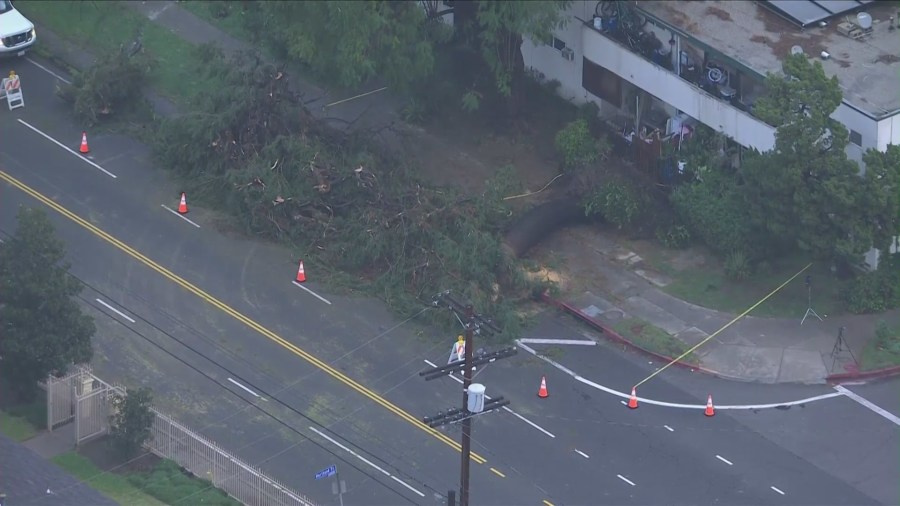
[[252, 148], [44, 329]]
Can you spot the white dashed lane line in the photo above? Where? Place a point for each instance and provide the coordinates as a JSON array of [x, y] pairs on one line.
[[585, 455], [114, 310], [314, 294], [626, 480], [670, 429], [723, 459], [176, 213], [70, 150], [775, 489]]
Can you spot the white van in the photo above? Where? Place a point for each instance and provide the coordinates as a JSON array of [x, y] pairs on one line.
[[16, 33]]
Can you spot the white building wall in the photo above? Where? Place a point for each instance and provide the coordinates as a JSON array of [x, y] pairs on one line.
[[888, 132], [549, 61], [858, 122]]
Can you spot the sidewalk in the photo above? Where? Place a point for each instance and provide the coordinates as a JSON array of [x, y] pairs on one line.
[[753, 349], [765, 350]]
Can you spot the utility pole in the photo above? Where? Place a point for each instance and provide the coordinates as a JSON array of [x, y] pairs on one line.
[[474, 324]]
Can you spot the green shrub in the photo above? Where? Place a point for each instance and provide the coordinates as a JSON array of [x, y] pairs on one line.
[[171, 485], [714, 212], [577, 147], [876, 291], [887, 338], [737, 267], [111, 85], [616, 202], [674, 236], [590, 113]]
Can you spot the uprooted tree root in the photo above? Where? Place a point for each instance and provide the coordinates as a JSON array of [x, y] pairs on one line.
[[252, 146]]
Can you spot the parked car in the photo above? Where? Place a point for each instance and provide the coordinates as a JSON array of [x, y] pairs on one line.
[[16, 32]]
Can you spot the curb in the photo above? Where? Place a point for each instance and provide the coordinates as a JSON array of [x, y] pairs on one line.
[[581, 315], [874, 374]]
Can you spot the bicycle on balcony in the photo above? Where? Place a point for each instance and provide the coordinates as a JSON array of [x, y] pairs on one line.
[[620, 15]]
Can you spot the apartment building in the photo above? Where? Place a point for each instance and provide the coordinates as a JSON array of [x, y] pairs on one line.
[[705, 61]]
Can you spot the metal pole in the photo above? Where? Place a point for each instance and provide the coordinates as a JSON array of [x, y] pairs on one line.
[[337, 478], [467, 423]]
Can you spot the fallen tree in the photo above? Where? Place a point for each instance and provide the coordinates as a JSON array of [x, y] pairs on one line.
[[250, 146]]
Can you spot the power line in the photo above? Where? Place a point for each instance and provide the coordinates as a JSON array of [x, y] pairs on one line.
[[249, 403]]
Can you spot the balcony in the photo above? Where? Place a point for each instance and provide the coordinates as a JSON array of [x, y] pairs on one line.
[[688, 97]]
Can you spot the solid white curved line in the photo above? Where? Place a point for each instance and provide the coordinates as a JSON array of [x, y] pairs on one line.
[[673, 404]]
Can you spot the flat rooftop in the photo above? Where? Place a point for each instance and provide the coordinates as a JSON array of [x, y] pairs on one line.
[[868, 69]]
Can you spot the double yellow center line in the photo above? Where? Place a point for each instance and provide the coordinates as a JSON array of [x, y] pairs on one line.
[[334, 373]]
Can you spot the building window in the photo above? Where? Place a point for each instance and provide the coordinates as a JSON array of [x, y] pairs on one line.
[[601, 83], [856, 138], [556, 44]]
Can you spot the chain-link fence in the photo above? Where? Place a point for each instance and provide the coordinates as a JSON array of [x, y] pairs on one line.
[[90, 402]]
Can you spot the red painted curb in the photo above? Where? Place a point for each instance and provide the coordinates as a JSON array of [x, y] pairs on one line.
[[581, 315], [877, 373]]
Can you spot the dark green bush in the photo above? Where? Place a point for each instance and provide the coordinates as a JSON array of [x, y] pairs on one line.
[[737, 267], [615, 201], [713, 211], [113, 84], [674, 236], [876, 291]]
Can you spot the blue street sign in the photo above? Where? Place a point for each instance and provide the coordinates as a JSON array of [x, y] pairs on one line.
[[327, 472]]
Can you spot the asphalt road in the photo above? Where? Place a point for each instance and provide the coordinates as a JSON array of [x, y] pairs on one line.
[[651, 455]]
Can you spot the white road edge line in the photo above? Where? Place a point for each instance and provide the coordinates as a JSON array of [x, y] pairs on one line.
[[348, 450], [45, 69], [626, 480], [672, 404], [429, 362], [176, 213], [723, 459], [559, 341], [585, 455], [251, 392], [114, 310], [529, 422], [314, 294], [398, 480], [869, 404], [670, 429], [70, 150], [779, 491]]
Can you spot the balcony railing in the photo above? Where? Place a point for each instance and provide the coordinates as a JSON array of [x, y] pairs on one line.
[[632, 57]]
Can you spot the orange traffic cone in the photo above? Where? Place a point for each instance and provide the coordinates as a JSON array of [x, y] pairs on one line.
[[84, 147], [632, 402], [710, 411], [182, 206], [301, 274], [542, 392]]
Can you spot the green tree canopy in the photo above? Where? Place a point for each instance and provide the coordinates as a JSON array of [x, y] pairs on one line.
[[351, 42], [44, 329], [495, 31], [806, 190], [882, 188], [132, 421]]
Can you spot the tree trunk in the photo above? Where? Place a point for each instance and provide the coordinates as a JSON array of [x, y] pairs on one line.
[[516, 99], [465, 20]]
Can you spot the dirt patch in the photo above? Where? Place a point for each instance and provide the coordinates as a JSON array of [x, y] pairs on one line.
[[887, 58], [102, 455], [719, 13], [682, 19], [761, 39]]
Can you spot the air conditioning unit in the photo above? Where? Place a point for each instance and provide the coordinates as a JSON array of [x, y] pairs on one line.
[[568, 53]]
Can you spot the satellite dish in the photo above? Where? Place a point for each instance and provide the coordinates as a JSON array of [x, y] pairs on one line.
[[796, 50], [864, 20]]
